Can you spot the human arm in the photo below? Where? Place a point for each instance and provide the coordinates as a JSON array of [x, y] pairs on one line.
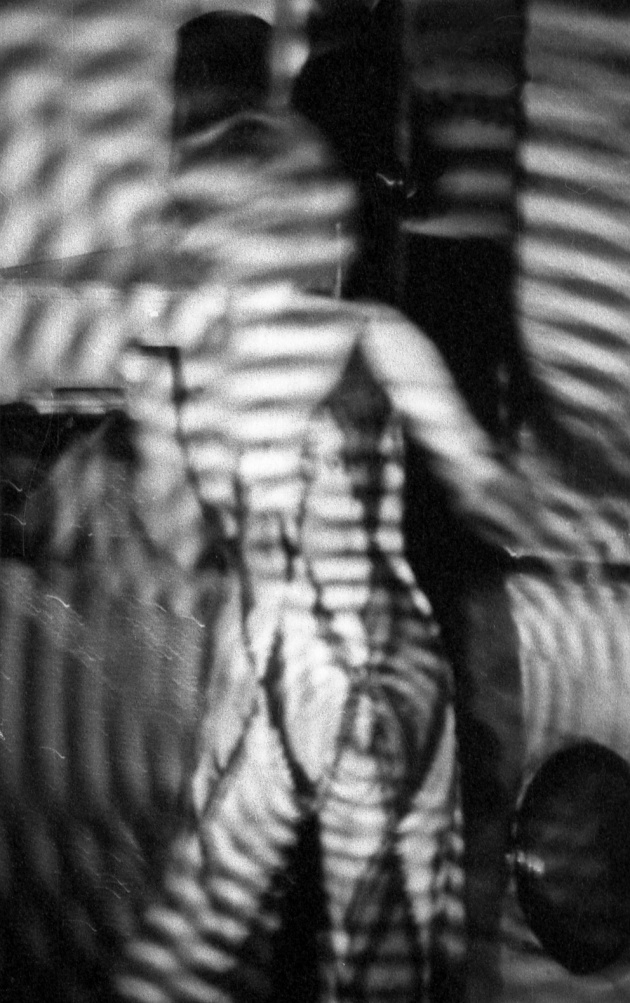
[[484, 485]]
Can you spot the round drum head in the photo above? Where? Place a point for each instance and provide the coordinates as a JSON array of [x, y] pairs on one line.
[[571, 856]]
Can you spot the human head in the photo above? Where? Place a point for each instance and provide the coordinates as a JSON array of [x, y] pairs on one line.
[[261, 194]]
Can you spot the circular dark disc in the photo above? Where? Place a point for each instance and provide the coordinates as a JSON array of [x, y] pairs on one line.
[[571, 856]]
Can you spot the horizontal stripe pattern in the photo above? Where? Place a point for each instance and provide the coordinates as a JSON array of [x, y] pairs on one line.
[[573, 294], [84, 127], [459, 124], [565, 300]]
